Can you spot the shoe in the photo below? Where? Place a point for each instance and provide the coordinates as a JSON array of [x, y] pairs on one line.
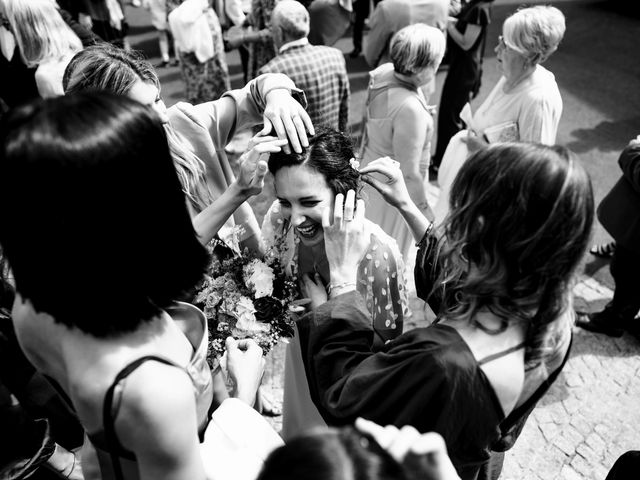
[[355, 53], [174, 63], [599, 323], [603, 250], [162, 64]]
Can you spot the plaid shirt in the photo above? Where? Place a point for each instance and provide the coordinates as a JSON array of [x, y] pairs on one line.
[[321, 73]]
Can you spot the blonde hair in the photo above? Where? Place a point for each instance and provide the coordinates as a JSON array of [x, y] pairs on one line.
[[105, 67], [417, 47], [535, 31], [40, 31]]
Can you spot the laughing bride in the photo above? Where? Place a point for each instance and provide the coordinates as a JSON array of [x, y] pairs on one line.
[[306, 184]]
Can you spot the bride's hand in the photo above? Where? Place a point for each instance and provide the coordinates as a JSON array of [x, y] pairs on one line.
[[314, 290], [345, 241], [253, 163], [392, 188]]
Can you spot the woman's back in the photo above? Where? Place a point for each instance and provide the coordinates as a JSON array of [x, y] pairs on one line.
[[89, 366], [387, 96]]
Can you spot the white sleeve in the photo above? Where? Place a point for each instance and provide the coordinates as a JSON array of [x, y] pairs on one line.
[[237, 442]]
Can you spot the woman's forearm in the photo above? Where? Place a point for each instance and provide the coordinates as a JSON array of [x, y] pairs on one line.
[[208, 222], [418, 219]]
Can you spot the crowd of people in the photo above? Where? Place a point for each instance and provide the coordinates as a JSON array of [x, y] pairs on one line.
[[113, 206]]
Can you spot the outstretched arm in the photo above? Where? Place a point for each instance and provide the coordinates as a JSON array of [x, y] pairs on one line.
[[253, 168], [390, 184], [271, 99]]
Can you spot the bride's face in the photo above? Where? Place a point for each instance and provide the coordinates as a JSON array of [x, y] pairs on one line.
[[303, 194]]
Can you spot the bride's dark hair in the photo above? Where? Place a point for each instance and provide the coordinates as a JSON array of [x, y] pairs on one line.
[[330, 153]]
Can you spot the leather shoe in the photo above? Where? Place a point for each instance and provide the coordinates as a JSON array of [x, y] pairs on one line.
[[355, 53], [595, 322]]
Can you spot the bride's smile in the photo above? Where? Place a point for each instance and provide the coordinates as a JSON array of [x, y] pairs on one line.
[[303, 194]]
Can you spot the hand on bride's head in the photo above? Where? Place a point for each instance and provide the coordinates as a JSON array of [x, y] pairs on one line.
[[391, 186], [345, 238], [253, 163], [245, 365]]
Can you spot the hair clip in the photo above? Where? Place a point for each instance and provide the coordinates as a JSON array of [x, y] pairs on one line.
[[355, 164]]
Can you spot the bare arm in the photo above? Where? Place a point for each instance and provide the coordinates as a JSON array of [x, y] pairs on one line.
[[269, 100], [394, 191], [157, 422], [409, 135], [253, 168]]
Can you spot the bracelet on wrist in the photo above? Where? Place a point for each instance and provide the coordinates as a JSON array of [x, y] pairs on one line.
[[339, 286]]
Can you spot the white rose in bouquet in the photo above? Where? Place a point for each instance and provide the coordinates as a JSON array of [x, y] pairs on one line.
[[247, 322], [259, 276]]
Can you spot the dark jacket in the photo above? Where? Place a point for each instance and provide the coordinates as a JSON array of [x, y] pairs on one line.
[[619, 211]]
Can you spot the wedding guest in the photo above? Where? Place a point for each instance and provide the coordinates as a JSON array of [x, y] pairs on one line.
[[366, 452], [525, 105], [18, 80], [467, 34], [318, 70], [619, 213], [390, 16], [504, 269], [197, 134], [198, 40], [45, 42], [107, 20], [305, 184], [263, 49], [398, 122], [158, 13], [94, 304]]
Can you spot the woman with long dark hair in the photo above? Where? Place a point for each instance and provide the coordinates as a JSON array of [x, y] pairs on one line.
[[502, 269]]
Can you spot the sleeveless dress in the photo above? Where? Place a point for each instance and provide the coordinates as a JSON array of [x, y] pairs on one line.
[[381, 281], [114, 461], [378, 142]]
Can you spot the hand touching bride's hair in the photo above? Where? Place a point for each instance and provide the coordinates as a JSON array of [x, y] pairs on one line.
[[330, 153]]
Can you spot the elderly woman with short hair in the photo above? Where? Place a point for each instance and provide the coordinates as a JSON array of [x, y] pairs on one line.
[[525, 105], [398, 123]]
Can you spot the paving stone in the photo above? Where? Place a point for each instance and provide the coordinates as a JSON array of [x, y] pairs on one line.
[[550, 431], [568, 473], [568, 440], [582, 466]]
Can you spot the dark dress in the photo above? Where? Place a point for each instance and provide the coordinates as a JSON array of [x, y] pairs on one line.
[[465, 72], [427, 378]]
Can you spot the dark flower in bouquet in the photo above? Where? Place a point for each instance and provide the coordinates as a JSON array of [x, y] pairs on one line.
[[247, 296]]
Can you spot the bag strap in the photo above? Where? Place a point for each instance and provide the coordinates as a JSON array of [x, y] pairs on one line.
[[108, 417], [515, 415]]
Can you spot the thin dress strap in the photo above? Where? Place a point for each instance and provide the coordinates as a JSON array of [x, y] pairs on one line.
[[503, 353], [108, 419]]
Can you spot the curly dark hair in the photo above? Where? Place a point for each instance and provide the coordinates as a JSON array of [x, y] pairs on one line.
[[520, 221], [329, 152]]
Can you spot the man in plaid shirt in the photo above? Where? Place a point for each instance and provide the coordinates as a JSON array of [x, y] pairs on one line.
[[319, 71]]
